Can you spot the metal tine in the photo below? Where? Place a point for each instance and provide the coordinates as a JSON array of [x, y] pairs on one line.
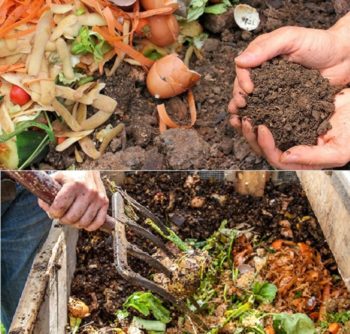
[[147, 213], [121, 250], [122, 267], [147, 234], [154, 263]]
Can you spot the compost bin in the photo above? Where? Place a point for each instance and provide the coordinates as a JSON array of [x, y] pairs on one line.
[[43, 305]]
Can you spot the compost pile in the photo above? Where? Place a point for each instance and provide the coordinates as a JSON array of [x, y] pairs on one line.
[[295, 103], [211, 143], [268, 256]]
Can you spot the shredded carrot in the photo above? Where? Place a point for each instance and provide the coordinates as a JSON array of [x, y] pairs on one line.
[[35, 9], [162, 126], [120, 46], [325, 297], [142, 24], [60, 140], [100, 67], [11, 68], [4, 8], [112, 23], [166, 121], [192, 106], [334, 328], [269, 330], [135, 23], [277, 244], [93, 4], [153, 12]]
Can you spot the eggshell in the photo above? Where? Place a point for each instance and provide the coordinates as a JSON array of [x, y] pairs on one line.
[[163, 29], [125, 4], [246, 17], [169, 77]]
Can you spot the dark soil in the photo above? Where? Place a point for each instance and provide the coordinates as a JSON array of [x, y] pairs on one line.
[[165, 194], [295, 103], [137, 109]]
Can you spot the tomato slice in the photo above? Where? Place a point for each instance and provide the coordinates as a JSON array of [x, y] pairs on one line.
[[19, 95]]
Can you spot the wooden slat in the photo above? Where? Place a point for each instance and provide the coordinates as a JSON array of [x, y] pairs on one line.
[[329, 196]]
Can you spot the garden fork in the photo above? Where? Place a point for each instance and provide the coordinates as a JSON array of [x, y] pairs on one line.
[[46, 188]]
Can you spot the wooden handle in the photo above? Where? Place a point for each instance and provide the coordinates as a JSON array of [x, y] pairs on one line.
[[46, 188]]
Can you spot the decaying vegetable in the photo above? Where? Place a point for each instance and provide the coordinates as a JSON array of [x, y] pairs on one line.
[[19, 96], [147, 304], [187, 271], [169, 77], [197, 202], [305, 274], [162, 30], [77, 308]]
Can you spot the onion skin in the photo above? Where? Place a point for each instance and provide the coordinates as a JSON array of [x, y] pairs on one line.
[[163, 30], [77, 308], [169, 77], [154, 4]]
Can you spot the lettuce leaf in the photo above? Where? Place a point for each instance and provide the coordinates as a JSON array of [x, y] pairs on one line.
[[264, 292], [297, 323], [90, 42], [146, 303]]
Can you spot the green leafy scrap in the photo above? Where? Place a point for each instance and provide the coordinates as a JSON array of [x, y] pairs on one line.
[[171, 236], [219, 245], [90, 42], [22, 126], [79, 78], [219, 8], [146, 303], [297, 323], [152, 326], [196, 9], [74, 324], [339, 317], [264, 292]]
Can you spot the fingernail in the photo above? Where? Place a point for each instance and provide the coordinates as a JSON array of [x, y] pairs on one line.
[[245, 57]]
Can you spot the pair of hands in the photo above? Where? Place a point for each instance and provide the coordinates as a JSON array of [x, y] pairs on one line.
[[325, 50], [82, 201]]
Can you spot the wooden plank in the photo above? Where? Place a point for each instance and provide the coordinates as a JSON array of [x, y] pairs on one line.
[[329, 196], [43, 305]]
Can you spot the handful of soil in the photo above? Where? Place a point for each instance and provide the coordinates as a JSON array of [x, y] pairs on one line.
[[295, 103]]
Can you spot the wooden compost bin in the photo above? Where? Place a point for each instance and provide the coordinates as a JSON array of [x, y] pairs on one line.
[[43, 305]]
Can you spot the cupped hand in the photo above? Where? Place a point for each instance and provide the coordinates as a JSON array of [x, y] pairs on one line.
[[332, 149], [325, 50], [82, 201]]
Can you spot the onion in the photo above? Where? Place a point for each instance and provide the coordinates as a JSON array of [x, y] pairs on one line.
[[77, 308], [163, 29], [169, 77], [154, 4]]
